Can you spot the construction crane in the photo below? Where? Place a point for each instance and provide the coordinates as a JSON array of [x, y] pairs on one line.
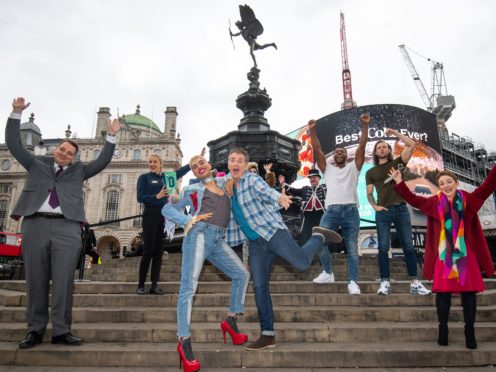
[[346, 74], [439, 102]]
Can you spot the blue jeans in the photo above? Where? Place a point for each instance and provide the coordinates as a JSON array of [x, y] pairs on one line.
[[399, 215], [261, 257], [347, 217], [206, 242]]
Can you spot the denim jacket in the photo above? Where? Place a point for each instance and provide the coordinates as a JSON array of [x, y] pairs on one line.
[[191, 196]]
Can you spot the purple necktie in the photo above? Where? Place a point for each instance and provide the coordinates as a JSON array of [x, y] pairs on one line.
[[53, 200]]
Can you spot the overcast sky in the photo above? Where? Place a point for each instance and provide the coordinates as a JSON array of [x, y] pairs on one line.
[[68, 58]]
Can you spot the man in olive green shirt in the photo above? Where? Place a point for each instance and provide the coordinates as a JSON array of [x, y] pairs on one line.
[[391, 208]]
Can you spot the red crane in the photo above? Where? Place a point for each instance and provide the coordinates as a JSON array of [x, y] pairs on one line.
[[346, 74]]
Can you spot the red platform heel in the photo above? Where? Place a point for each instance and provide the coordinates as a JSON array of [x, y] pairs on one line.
[[184, 348], [229, 325]]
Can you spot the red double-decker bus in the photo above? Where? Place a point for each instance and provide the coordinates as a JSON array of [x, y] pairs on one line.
[[10, 247]]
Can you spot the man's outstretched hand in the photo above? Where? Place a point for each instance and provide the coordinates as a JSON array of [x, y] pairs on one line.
[[19, 105]]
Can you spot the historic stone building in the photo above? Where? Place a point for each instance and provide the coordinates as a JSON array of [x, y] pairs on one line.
[[111, 194]]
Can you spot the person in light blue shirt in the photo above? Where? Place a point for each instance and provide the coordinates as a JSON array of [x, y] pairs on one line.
[[255, 216]]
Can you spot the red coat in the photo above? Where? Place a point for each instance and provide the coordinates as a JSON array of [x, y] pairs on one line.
[[473, 231]]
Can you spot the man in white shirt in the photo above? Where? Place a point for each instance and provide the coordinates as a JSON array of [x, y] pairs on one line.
[[341, 203]]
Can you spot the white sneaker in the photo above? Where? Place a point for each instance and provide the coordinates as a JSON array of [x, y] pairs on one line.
[[418, 288], [353, 288], [385, 288], [324, 278]]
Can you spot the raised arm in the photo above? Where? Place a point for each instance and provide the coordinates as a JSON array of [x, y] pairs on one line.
[[13, 134], [290, 190], [317, 150], [487, 187], [105, 156], [410, 144], [364, 136]]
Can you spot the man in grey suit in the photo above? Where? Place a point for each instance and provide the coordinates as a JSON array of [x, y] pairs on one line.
[[52, 206]]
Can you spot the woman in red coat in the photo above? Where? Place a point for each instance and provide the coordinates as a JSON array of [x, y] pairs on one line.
[[456, 248]]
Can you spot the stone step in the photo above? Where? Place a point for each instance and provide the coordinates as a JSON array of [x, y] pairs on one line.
[[278, 299], [286, 332], [281, 314], [175, 260], [285, 355], [292, 287], [208, 277], [314, 270], [174, 369]]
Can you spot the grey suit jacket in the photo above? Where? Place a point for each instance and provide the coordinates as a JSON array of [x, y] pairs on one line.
[[41, 177]]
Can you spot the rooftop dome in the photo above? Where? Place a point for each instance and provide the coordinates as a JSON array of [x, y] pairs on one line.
[[138, 120], [30, 125]]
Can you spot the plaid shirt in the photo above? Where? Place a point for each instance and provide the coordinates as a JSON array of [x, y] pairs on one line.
[[260, 205]]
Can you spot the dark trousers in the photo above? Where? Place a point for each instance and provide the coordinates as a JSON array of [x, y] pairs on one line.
[[310, 219], [153, 239]]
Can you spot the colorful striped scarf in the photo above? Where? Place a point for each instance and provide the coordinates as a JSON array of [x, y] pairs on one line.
[[452, 247]]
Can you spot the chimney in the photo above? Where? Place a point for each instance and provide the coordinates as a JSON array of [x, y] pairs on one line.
[[102, 121], [170, 122]]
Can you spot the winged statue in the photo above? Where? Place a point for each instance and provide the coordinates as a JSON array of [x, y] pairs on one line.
[[250, 28]]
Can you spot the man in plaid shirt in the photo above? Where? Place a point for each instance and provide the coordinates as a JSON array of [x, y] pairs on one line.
[[255, 208]]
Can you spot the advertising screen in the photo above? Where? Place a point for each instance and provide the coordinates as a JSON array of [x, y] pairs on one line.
[[342, 129]]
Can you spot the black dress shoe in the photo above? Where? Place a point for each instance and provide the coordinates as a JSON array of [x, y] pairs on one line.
[[156, 291], [32, 338], [140, 291], [67, 339]]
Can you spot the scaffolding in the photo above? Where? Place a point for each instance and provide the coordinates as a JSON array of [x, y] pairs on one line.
[[470, 161]]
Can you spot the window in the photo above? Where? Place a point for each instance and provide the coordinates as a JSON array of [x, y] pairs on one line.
[[112, 207], [114, 178], [157, 152], [137, 154], [4, 188], [96, 154], [77, 156], [4, 205]]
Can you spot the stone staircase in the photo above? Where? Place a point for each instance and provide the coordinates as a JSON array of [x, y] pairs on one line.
[[318, 326]]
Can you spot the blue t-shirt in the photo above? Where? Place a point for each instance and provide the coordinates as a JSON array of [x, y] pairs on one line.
[[240, 218]]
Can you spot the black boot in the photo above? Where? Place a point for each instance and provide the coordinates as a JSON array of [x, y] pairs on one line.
[[443, 304], [470, 341], [442, 338], [469, 304]]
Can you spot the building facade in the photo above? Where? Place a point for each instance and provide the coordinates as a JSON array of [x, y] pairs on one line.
[[110, 195]]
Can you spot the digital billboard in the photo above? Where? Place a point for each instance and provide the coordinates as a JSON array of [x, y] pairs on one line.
[[342, 129]]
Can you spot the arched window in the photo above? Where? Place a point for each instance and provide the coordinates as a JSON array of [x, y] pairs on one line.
[[112, 207], [137, 154], [77, 156], [4, 205]]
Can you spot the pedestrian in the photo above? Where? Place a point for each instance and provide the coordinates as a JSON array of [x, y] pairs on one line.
[[390, 208], [456, 249], [53, 210], [152, 193]]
